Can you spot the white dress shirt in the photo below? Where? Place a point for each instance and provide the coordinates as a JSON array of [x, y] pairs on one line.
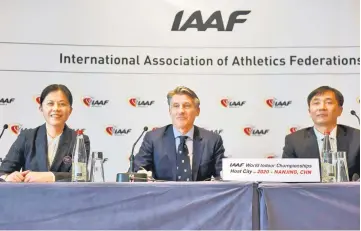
[[53, 144]]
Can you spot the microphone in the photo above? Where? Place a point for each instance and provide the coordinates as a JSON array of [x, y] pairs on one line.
[[131, 158], [2, 132], [355, 177], [354, 114]]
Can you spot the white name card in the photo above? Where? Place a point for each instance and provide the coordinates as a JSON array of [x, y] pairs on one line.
[[271, 170]]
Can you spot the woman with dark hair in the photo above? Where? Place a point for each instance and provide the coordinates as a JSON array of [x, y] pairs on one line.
[[45, 153]]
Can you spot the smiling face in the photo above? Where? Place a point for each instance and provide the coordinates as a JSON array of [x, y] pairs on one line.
[[324, 109], [56, 108], [183, 111]]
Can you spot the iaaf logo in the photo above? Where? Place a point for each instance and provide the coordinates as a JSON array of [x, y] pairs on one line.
[[252, 131], [228, 103], [274, 103], [113, 130], [293, 129], [91, 102], [16, 129], [6, 101], [37, 99], [136, 102], [236, 164], [215, 21], [80, 129]]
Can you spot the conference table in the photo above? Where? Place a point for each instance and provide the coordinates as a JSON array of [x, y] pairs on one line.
[[161, 205], [210, 205], [305, 206]]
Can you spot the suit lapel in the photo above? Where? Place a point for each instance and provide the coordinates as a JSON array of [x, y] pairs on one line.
[[197, 152], [41, 145], [63, 148], [342, 141], [311, 145], [170, 149]]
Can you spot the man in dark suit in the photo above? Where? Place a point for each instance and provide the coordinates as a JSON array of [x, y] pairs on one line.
[[30, 152], [325, 106], [181, 151]]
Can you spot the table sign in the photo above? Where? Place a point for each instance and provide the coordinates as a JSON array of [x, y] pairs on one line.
[[271, 170]]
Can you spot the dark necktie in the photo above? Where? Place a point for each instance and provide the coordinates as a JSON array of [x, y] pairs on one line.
[[184, 172]]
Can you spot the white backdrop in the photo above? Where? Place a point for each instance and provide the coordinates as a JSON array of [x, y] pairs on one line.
[[34, 35]]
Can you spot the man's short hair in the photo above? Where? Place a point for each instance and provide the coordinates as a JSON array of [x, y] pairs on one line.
[[181, 90], [323, 89]]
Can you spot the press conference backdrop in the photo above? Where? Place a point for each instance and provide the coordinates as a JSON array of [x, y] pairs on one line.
[[252, 64]]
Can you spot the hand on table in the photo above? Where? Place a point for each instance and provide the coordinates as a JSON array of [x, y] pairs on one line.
[[16, 176]]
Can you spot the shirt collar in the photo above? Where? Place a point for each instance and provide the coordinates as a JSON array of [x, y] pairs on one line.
[[189, 134], [50, 139], [320, 136]]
